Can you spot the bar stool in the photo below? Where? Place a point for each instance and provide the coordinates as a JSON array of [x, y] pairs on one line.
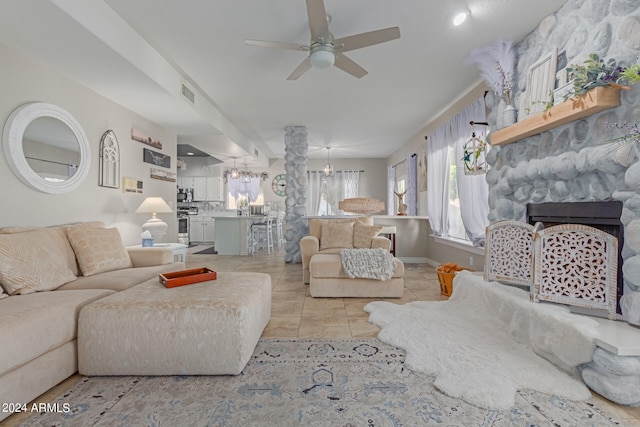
[[279, 231], [262, 234], [257, 237]]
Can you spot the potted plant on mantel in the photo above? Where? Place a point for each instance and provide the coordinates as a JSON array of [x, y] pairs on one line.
[[596, 72]]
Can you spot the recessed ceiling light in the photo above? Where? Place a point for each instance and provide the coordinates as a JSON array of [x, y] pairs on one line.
[[190, 154], [460, 17]]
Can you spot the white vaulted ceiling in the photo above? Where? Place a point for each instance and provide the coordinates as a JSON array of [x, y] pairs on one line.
[[139, 53]]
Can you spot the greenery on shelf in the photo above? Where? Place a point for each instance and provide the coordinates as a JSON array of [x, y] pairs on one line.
[[547, 105], [596, 72]]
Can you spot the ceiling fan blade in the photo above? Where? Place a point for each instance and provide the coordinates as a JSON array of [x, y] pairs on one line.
[[349, 65], [317, 20], [300, 69], [277, 45], [367, 39]]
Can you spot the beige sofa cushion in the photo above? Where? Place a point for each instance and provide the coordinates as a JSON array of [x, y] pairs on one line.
[[98, 249], [336, 235], [330, 266], [33, 261], [118, 280], [35, 324], [363, 234]]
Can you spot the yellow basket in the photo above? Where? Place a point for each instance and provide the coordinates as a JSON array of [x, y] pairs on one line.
[[446, 283], [446, 280]]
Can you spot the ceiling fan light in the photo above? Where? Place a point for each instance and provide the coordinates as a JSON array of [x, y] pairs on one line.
[[322, 58]]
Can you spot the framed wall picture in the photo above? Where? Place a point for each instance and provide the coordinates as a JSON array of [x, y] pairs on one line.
[[162, 175], [155, 158], [140, 136], [541, 80]]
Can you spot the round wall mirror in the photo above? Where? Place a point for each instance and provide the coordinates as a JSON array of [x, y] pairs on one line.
[[46, 148]]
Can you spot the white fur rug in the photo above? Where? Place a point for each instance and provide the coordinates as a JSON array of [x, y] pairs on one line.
[[479, 345]]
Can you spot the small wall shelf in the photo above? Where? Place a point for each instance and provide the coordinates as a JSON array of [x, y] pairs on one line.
[[594, 101]]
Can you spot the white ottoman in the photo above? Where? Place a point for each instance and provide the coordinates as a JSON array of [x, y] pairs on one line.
[[328, 279], [208, 328]]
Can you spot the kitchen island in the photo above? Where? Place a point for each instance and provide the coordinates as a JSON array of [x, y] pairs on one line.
[[233, 233]]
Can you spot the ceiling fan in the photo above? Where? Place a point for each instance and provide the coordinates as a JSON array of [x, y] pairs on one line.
[[324, 50]]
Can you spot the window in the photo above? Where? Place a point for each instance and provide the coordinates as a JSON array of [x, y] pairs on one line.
[[457, 204], [456, 226], [324, 193]]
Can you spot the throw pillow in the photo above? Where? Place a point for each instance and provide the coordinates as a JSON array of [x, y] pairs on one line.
[[362, 234], [315, 224], [336, 235], [18, 229], [98, 249], [29, 263]]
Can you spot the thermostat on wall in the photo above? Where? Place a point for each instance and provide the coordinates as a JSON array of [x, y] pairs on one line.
[[131, 185]]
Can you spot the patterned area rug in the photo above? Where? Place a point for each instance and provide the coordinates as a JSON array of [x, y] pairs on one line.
[[354, 382]]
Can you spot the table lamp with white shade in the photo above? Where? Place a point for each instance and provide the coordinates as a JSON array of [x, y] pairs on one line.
[[155, 226]]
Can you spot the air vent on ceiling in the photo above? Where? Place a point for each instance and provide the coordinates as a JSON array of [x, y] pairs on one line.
[[187, 93]]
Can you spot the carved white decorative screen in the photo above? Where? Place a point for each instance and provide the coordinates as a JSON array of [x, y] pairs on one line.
[[578, 265], [509, 252]]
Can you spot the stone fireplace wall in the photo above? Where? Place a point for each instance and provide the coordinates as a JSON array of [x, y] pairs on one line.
[[571, 163]]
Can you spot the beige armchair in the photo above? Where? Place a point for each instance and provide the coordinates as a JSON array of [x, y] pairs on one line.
[[330, 235]]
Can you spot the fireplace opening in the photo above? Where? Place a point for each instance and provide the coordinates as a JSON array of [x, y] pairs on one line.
[[603, 215]]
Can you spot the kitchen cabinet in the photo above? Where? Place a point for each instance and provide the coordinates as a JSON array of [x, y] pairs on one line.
[[209, 230], [186, 182], [207, 188], [202, 229]]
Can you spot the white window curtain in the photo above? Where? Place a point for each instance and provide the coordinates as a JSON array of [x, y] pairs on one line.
[[438, 180], [237, 188], [391, 185], [313, 192], [411, 199], [473, 190], [324, 193]]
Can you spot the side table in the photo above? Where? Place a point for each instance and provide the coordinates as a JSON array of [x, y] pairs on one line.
[[179, 250], [389, 231]]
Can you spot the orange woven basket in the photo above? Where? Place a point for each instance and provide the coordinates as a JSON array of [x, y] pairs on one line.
[[446, 273]]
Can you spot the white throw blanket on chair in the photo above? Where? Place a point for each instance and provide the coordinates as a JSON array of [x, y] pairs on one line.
[[376, 264]]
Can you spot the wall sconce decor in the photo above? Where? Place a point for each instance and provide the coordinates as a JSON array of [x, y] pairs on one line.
[[474, 158], [109, 161]]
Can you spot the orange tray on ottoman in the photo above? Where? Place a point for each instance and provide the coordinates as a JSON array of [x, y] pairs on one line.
[[187, 277]]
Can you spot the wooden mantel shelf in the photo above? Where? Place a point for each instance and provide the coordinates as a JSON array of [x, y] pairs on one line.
[[594, 101]]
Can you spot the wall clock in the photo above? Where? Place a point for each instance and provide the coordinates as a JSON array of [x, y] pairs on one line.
[[279, 184]]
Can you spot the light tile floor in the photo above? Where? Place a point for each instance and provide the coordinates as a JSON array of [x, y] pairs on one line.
[[295, 314]]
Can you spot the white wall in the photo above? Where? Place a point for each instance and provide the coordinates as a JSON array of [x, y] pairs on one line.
[[26, 80]]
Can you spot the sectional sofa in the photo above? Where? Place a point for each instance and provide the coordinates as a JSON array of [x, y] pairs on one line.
[[46, 276]]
